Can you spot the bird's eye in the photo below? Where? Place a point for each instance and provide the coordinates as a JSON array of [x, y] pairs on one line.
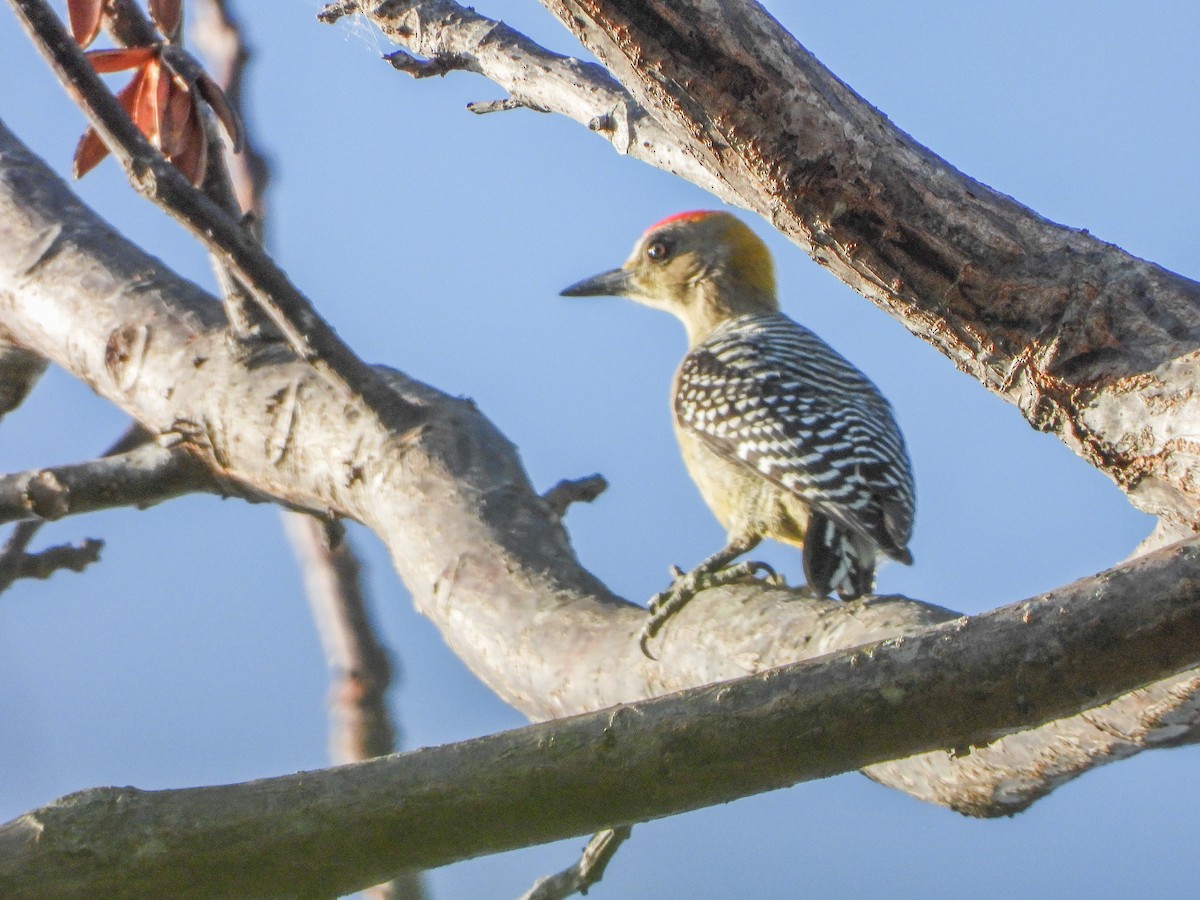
[[658, 251]]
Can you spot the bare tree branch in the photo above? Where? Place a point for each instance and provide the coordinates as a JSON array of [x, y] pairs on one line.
[[13, 555], [534, 77], [16, 562], [141, 477], [360, 723], [361, 673], [46, 562], [964, 683], [576, 490], [161, 182], [587, 871]]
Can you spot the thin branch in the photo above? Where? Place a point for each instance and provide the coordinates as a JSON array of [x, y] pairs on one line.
[[361, 726], [221, 39], [534, 77], [44, 563], [12, 554], [961, 684], [236, 181], [435, 66], [587, 871], [574, 490], [161, 182], [359, 667], [140, 477]]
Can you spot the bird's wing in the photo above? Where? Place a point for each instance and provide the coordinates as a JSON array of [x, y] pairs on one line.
[[772, 396]]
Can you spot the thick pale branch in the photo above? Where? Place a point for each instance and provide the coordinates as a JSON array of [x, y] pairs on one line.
[[962, 683]]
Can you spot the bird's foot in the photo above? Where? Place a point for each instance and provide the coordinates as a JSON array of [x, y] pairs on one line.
[[666, 603]]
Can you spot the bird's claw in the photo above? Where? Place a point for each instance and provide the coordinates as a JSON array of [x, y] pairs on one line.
[[665, 604]]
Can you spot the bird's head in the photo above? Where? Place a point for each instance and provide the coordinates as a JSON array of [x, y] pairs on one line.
[[704, 267]]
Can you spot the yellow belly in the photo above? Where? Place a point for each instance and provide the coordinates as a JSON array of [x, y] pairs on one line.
[[740, 498]]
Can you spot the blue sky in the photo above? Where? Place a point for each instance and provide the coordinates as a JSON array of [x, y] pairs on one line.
[[436, 241]]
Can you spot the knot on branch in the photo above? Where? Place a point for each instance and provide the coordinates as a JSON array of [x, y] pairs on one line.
[[574, 490], [438, 64]]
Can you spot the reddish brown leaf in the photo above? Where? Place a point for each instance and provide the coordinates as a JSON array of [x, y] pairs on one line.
[[192, 159], [85, 19], [145, 112], [215, 98], [88, 154], [91, 148], [106, 61], [167, 14], [176, 110]]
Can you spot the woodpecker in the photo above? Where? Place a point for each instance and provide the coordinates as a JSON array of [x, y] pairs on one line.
[[783, 436]]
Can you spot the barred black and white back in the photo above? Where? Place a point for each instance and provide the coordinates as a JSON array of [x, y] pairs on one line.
[[769, 394]]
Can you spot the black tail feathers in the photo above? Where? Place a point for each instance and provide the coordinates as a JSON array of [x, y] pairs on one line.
[[838, 559]]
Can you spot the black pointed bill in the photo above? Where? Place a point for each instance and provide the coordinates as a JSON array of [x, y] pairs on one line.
[[616, 283]]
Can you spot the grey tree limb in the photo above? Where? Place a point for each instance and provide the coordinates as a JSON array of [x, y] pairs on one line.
[[141, 477], [587, 870], [963, 683]]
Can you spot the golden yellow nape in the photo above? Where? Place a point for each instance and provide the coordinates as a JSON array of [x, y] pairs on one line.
[[750, 260]]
